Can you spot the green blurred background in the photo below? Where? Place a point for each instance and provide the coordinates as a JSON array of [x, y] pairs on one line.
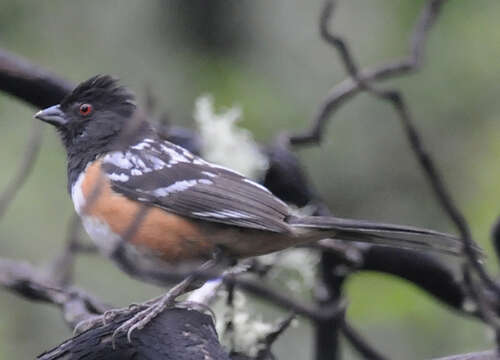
[[267, 57]]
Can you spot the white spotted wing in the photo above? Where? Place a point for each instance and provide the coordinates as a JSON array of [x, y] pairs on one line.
[[170, 177]]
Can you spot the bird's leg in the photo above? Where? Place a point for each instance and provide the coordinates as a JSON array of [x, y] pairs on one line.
[[154, 308], [151, 308], [109, 315]]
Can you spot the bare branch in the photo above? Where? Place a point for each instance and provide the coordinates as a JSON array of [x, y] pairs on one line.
[[269, 339], [339, 94], [31, 283]]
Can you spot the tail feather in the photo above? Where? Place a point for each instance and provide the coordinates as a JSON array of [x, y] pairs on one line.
[[399, 236]]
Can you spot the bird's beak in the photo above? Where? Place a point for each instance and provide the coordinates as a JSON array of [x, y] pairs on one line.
[[52, 115]]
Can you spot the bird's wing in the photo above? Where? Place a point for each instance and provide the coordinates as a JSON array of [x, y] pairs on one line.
[[170, 177]]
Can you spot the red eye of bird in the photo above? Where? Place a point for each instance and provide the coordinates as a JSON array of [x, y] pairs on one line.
[[85, 109]]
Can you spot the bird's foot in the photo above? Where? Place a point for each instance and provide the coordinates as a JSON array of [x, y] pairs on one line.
[[107, 317], [143, 317]]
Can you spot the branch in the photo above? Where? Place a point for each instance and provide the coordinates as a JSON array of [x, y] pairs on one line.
[[342, 92], [422, 270], [395, 98], [173, 334], [30, 283], [29, 82]]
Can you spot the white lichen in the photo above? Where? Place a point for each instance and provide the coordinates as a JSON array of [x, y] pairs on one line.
[[225, 143], [294, 268], [247, 330]]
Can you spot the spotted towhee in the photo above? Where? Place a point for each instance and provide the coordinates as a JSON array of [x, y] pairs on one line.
[[118, 165]]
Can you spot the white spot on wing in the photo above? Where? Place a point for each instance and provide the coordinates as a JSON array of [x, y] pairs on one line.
[[174, 154], [179, 186], [136, 172], [119, 177], [199, 161], [223, 214], [141, 146], [215, 166], [248, 181], [208, 173], [137, 161], [175, 187], [187, 154], [118, 159], [158, 163]]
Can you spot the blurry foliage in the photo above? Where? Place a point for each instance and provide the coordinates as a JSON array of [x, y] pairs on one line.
[[274, 65]]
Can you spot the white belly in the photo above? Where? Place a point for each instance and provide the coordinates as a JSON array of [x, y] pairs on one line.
[[101, 234]]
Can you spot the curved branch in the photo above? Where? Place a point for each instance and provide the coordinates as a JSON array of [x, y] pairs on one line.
[[342, 92], [29, 82]]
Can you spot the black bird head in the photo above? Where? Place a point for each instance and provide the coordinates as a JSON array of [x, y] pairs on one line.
[[92, 116]]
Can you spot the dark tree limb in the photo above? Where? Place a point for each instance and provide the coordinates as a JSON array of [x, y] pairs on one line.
[[175, 334], [422, 270], [29, 82]]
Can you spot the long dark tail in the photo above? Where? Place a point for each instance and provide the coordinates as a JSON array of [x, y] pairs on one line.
[[398, 236]]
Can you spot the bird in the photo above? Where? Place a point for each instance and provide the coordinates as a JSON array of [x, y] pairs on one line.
[[183, 209]]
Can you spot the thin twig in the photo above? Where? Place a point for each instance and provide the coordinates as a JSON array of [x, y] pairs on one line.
[[485, 309], [359, 344], [395, 98], [31, 283], [339, 94], [268, 341], [24, 170]]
